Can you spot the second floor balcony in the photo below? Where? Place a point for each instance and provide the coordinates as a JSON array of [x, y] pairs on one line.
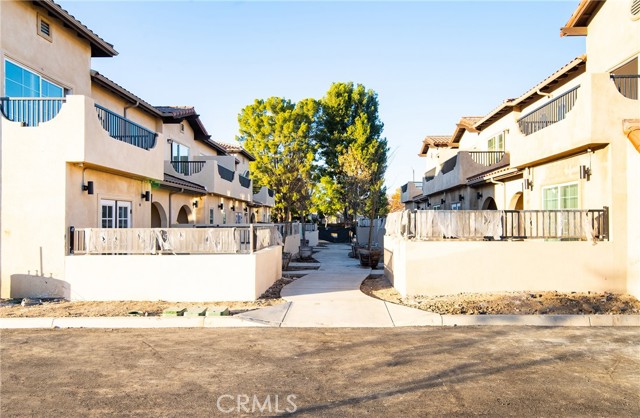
[[456, 170], [214, 174], [82, 132], [627, 85], [410, 191], [265, 197]]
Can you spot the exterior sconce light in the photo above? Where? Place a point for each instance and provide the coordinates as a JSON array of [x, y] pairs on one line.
[[221, 206], [528, 184], [233, 208], [442, 201], [479, 195], [418, 207], [585, 173], [246, 209], [460, 197], [146, 196], [88, 187], [428, 204], [195, 203]]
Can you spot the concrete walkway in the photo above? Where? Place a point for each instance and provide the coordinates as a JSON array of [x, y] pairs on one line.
[[331, 297]]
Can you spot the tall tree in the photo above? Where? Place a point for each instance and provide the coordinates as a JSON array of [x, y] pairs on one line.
[[280, 134], [352, 150]]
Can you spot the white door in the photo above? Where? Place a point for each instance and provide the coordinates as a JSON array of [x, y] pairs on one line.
[[115, 214]]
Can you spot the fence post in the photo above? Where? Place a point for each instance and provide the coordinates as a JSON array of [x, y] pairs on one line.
[[252, 241], [72, 231]]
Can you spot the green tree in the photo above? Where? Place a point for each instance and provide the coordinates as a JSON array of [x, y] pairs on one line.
[[280, 134], [351, 147], [326, 197]]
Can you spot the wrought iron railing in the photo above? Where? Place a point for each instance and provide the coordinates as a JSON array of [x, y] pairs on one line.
[[31, 111], [225, 173], [244, 181], [486, 158], [188, 168], [125, 130], [590, 224], [199, 239], [288, 228], [627, 85], [548, 114]]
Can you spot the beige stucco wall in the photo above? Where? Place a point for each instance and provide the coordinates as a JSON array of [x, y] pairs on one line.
[[64, 60], [184, 278], [614, 37], [450, 267]]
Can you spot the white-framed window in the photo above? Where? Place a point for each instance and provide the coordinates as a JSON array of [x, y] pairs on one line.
[[115, 214], [238, 217], [496, 143], [561, 196], [21, 82], [456, 206], [437, 207], [179, 152]]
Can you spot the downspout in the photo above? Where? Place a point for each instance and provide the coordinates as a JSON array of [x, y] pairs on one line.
[[130, 107], [541, 93]]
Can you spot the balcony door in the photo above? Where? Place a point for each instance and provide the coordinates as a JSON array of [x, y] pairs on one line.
[[180, 158], [115, 214]]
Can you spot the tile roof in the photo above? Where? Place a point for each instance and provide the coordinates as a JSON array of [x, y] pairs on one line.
[[173, 182], [433, 141], [466, 123], [236, 149], [581, 17], [566, 73], [122, 92], [99, 47]]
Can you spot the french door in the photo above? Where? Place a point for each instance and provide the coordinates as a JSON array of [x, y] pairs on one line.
[[115, 214]]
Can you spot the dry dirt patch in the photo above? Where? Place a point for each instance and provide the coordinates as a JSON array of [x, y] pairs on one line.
[[507, 303], [60, 308]]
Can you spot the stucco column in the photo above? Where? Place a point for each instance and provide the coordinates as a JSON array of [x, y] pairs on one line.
[[632, 131]]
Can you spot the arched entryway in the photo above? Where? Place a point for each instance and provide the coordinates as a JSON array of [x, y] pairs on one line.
[[158, 216], [489, 204], [517, 202], [183, 215]]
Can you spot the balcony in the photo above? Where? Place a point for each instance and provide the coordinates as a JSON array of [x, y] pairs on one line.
[[410, 190], [596, 113], [30, 111], [552, 112], [457, 169], [214, 174], [124, 130], [627, 85], [264, 197], [71, 129]]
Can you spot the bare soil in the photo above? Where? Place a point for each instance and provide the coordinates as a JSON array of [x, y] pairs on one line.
[[507, 303], [11, 308]]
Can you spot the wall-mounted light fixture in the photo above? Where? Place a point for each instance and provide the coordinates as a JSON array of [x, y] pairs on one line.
[[528, 184], [88, 187], [442, 201], [418, 207], [195, 203], [460, 197], [233, 208], [221, 206], [479, 195], [146, 196], [246, 209], [585, 173]]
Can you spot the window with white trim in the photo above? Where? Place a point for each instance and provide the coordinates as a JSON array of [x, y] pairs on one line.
[[456, 206], [115, 214], [496, 143], [563, 196], [21, 82]]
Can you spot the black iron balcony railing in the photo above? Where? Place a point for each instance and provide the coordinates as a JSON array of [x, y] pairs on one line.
[[564, 224], [244, 181], [187, 168], [486, 158], [125, 130], [552, 112], [31, 111], [627, 85], [225, 173]]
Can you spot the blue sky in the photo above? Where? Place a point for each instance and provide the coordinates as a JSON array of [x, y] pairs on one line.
[[430, 62]]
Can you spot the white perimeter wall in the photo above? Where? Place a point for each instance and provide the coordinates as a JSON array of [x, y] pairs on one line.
[[186, 278], [451, 267]]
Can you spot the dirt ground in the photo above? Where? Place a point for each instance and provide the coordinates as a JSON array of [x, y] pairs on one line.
[[408, 372], [513, 303], [59, 308]]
